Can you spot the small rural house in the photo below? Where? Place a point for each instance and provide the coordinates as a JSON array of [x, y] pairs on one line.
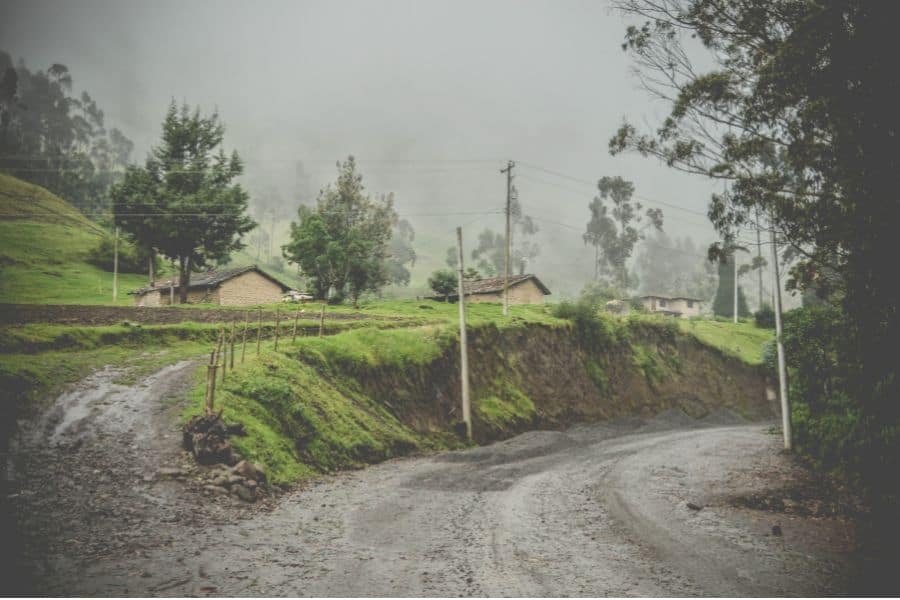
[[241, 286], [676, 306], [523, 289]]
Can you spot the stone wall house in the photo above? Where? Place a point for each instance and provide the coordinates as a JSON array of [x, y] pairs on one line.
[[523, 289], [676, 306], [241, 286]]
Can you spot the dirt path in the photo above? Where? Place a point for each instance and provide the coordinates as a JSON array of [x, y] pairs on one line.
[[597, 510]]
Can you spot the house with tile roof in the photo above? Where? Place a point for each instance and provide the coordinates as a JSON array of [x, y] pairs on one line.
[[241, 286], [523, 289]]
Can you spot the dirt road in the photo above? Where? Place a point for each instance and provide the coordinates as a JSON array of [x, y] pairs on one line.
[[597, 510]]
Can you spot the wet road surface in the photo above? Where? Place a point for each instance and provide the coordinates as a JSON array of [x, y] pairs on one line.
[[597, 510]]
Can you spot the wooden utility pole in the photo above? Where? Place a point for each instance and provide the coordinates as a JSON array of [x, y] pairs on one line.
[[463, 346], [782, 368], [277, 323], [259, 332], [244, 340], [115, 289], [508, 171]]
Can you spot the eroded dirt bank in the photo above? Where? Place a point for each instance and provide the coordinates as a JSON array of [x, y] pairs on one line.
[[107, 505]]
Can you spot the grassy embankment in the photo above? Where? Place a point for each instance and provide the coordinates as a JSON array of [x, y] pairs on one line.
[[366, 395], [743, 340], [305, 407]]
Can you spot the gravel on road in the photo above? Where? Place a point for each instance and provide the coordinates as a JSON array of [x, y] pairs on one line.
[[108, 504]]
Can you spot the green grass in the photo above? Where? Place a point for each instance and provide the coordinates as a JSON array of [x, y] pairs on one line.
[[305, 408], [505, 407], [372, 348], [43, 245], [300, 423], [743, 340]]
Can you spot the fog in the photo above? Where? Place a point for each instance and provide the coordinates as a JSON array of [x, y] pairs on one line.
[[431, 97]]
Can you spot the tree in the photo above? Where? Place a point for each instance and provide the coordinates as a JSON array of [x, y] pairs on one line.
[[400, 252], [58, 140], [674, 267], [723, 303], [471, 274], [611, 232], [796, 113], [184, 201], [490, 253], [452, 257], [443, 282], [342, 244]]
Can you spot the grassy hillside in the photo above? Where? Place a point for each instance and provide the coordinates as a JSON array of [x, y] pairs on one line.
[[43, 245]]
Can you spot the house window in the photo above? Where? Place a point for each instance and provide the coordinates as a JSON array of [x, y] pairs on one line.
[[662, 302], [690, 303]]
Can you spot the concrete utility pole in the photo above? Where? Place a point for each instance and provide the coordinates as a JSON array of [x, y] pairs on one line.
[[759, 257], [116, 266], [508, 171], [782, 369], [463, 346]]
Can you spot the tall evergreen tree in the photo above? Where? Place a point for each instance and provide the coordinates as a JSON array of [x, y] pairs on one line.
[[723, 304], [184, 201]]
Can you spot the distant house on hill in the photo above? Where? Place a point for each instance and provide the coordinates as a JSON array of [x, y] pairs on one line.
[[242, 286], [676, 306], [523, 289]]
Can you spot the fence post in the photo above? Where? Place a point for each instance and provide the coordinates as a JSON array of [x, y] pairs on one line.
[[233, 333], [294, 333], [223, 352], [259, 331], [244, 341], [277, 324], [322, 321]]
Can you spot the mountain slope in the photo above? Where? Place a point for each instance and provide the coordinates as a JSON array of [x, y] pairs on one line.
[[44, 242]]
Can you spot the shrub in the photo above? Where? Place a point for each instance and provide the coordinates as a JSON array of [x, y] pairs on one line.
[[765, 317], [591, 328], [830, 425], [443, 282]]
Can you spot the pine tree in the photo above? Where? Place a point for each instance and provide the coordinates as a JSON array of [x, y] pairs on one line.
[[723, 305]]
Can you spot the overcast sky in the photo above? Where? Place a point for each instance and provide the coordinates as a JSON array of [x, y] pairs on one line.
[[432, 97]]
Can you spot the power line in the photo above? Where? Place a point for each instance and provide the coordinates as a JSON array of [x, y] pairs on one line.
[[593, 184]]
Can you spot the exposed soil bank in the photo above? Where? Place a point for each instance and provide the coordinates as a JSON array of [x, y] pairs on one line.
[[340, 407], [75, 314]]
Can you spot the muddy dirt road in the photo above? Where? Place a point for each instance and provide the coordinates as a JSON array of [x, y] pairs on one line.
[[596, 510]]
